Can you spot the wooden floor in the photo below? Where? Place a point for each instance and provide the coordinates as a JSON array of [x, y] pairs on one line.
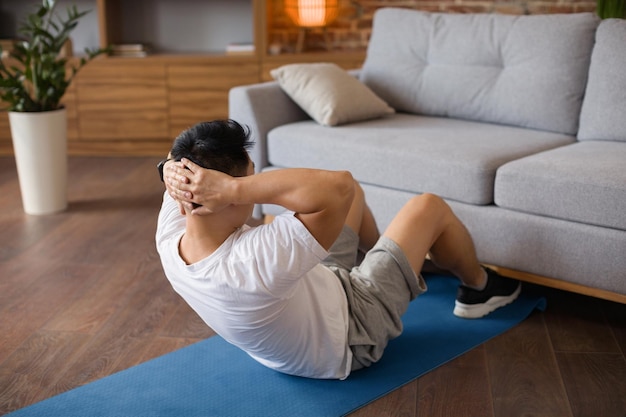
[[82, 295]]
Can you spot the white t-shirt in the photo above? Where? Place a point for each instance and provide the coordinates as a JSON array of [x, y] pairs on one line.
[[265, 291]]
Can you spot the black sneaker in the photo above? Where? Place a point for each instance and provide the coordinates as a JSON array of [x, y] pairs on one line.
[[499, 291]]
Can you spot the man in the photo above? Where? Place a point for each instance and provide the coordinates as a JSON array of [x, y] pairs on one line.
[[289, 293]]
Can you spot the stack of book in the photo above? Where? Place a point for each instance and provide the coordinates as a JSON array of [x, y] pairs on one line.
[[7, 46], [130, 49], [239, 48]]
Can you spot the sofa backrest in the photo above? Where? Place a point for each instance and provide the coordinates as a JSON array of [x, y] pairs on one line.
[[527, 71], [603, 114]]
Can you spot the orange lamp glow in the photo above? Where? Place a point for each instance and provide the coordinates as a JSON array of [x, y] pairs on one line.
[[312, 13]]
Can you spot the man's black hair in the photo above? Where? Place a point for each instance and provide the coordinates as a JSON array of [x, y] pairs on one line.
[[220, 145]]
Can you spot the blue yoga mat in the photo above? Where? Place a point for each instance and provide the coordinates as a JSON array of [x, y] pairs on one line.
[[213, 378]]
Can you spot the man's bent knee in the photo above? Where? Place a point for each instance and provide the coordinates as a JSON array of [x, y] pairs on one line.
[[429, 198], [431, 203]]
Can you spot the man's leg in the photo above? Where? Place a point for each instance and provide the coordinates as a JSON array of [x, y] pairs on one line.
[[426, 224], [359, 233], [361, 220]]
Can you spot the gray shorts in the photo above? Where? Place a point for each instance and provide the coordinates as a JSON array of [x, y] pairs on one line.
[[379, 290]]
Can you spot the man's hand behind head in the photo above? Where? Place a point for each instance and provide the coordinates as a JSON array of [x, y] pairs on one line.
[[207, 190]]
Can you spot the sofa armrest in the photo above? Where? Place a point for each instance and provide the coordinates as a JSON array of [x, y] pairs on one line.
[[262, 107]]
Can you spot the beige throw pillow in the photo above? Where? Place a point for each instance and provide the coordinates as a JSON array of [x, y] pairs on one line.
[[329, 94]]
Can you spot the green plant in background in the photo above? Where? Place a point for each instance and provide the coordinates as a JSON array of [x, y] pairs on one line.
[[611, 8], [40, 79]]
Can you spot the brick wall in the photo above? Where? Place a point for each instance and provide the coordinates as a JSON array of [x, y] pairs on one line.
[[351, 30]]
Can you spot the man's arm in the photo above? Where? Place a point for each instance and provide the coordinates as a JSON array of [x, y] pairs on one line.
[[321, 199]]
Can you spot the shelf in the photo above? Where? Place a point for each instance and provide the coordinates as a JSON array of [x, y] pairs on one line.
[[122, 105], [179, 57], [184, 26]]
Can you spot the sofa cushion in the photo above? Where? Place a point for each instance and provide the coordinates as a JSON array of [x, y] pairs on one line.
[[527, 71], [603, 114], [582, 182], [329, 94], [453, 158]]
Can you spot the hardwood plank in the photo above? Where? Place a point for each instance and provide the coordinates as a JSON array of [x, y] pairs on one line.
[[398, 403], [86, 245], [524, 374], [616, 317], [55, 245], [31, 306], [163, 345], [89, 172], [121, 343], [577, 324], [114, 186], [185, 323], [17, 280], [595, 383], [458, 389], [99, 245], [91, 310], [24, 233], [21, 230], [113, 220], [36, 367]]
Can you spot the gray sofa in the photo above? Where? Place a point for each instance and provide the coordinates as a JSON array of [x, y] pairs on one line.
[[519, 122]]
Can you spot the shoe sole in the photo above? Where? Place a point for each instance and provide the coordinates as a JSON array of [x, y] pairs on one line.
[[476, 311]]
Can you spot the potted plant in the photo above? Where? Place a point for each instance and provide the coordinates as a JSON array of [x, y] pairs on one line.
[[33, 80]]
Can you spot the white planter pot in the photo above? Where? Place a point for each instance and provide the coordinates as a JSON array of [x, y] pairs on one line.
[[40, 146]]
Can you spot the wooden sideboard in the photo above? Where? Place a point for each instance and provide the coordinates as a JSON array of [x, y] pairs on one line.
[[138, 105]]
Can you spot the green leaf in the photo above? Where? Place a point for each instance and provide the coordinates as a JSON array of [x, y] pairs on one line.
[[40, 79]]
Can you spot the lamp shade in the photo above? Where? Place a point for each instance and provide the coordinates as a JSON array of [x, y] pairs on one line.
[[312, 13]]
